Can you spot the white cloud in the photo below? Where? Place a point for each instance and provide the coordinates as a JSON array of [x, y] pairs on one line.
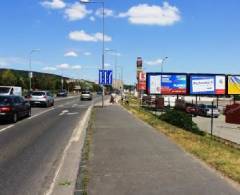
[[54, 4], [153, 14], [68, 67], [63, 66], [83, 36], [76, 11], [92, 18], [154, 62], [87, 53], [71, 54], [107, 12], [49, 68], [76, 67]]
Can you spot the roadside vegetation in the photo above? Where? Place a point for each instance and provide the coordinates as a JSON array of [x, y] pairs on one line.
[[42, 81], [81, 187], [219, 155]]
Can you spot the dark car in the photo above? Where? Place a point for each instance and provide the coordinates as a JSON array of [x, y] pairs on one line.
[[191, 109], [62, 93], [13, 108]]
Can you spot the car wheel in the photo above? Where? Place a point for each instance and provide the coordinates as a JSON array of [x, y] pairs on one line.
[[46, 104], [14, 118], [53, 103]]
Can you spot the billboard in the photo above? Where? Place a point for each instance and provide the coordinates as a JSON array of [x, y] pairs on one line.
[[207, 84], [142, 81], [167, 84], [234, 85]]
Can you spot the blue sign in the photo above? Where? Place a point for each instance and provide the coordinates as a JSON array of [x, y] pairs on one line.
[[105, 77]]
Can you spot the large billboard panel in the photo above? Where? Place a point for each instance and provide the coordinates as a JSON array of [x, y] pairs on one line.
[[234, 85], [167, 84], [207, 84]]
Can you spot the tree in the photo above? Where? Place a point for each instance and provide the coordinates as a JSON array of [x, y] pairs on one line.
[[8, 78]]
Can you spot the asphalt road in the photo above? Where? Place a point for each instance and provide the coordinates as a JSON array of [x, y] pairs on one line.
[[31, 149]]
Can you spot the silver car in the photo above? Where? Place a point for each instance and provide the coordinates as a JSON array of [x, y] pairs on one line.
[[42, 98], [86, 95]]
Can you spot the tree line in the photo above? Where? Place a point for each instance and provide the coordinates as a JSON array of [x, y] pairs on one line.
[[42, 81]]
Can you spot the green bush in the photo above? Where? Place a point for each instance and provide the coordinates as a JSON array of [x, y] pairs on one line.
[[181, 120]]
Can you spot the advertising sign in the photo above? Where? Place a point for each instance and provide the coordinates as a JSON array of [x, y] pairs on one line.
[[234, 85], [142, 76], [167, 84], [174, 84], [207, 84]]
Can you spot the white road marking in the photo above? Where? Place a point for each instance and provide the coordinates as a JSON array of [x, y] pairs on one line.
[[72, 113], [8, 127], [63, 112], [76, 135], [45, 111], [74, 105]]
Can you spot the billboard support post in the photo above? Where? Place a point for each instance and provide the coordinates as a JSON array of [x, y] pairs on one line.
[[212, 120], [217, 101]]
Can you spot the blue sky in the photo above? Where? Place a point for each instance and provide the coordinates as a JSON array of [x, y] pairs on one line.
[[197, 36]]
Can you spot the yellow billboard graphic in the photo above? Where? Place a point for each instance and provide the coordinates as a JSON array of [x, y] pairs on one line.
[[233, 85]]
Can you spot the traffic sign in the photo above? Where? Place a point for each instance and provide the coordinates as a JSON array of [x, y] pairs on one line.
[[105, 77]]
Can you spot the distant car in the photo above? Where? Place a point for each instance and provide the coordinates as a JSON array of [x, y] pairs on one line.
[[42, 98], [191, 109], [13, 108], [86, 95], [208, 110], [62, 93]]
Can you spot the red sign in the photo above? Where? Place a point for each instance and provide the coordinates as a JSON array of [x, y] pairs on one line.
[[142, 76], [141, 85]]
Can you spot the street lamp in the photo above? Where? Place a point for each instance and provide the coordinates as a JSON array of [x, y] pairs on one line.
[[30, 67], [115, 53], [103, 36], [164, 59]]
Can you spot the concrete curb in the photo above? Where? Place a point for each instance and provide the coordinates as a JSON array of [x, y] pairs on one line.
[[67, 170]]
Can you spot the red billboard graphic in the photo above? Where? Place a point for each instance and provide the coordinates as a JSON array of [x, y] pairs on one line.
[[141, 85], [142, 76]]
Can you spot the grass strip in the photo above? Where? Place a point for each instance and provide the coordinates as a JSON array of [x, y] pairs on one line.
[[218, 155], [83, 174]]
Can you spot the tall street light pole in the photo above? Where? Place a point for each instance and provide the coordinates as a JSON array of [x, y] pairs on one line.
[[103, 37], [115, 53], [164, 59], [30, 67]]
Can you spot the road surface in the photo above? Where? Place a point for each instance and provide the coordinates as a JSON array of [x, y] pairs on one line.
[[30, 150]]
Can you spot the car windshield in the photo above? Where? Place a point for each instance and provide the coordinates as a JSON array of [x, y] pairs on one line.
[[4, 89], [39, 93], [5, 100], [86, 92]]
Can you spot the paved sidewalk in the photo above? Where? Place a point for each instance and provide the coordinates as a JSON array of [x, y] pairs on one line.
[[130, 158]]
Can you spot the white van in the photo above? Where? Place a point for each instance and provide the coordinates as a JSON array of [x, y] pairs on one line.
[[10, 90]]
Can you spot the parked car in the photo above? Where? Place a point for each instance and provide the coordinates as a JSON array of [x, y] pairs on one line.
[[62, 93], [208, 110], [10, 90], [184, 106], [13, 108], [42, 98], [86, 95]]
